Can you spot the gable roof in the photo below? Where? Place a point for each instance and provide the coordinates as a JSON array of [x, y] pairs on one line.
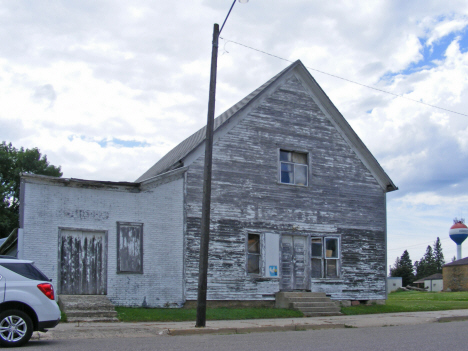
[[433, 276], [174, 158], [461, 262]]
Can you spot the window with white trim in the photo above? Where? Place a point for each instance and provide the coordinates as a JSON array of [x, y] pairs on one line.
[[253, 254], [325, 257], [294, 168]]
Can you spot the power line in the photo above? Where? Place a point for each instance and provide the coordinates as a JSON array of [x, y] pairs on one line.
[[347, 80], [415, 245]]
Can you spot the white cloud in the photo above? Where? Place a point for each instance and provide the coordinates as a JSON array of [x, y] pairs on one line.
[[446, 27], [76, 73]]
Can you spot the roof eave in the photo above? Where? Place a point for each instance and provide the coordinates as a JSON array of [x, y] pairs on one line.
[[347, 131]]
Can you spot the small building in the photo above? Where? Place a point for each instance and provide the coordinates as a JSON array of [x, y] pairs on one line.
[[298, 203], [434, 282], [394, 283], [455, 275], [419, 283]]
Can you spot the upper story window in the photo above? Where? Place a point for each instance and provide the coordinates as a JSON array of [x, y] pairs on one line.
[[294, 168]]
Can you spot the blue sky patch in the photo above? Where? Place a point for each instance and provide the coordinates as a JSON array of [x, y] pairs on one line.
[[123, 143], [431, 53], [117, 142]]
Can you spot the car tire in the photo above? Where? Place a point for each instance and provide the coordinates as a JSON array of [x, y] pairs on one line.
[[16, 328]]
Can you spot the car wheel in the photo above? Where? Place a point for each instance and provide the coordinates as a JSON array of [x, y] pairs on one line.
[[16, 328]]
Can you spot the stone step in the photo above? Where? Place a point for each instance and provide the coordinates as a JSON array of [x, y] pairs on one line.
[[319, 309], [312, 304], [91, 319], [87, 313], [309, 299], [85, 299], [321, 314], [296, 294], [88, 308], [84, 307]]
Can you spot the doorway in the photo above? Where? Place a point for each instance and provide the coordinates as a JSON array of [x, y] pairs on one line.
[[83, 262], [294, 263]]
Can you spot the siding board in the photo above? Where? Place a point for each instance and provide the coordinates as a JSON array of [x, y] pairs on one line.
[[342, 198]]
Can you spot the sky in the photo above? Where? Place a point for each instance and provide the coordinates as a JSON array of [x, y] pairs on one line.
[[106, 88]]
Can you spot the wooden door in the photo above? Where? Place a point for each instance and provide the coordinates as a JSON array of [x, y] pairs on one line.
[[294, 263], [83, 263]]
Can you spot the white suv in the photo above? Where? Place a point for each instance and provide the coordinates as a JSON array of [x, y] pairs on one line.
[[27, 301]]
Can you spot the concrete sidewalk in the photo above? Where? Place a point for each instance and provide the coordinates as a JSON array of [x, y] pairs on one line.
[[151, 329]]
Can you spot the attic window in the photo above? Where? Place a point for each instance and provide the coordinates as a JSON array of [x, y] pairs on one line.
[[294, 168]]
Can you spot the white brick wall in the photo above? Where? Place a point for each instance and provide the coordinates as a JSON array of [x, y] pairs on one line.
[[49, 205]]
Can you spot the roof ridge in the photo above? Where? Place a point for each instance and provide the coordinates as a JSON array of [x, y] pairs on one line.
[[169, 160]]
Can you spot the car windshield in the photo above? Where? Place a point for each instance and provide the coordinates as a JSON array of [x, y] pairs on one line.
[[27, 270]]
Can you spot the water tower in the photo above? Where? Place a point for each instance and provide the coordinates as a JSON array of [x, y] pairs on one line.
[[458, 233]]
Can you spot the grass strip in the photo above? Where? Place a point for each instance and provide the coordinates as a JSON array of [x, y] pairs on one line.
[[129, 314], [414, 301]]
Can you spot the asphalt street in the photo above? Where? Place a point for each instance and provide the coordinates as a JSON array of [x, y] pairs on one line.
[[428, 337]]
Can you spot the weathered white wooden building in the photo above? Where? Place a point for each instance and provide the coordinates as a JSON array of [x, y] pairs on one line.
[[298, 203]]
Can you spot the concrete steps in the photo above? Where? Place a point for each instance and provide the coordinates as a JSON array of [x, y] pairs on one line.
[[88, 308], [310, 304]]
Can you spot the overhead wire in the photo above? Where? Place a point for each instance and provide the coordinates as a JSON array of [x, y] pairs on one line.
[[416, 245], [346, 79]]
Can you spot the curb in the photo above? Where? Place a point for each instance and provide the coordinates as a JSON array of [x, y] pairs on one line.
[[452, 319], [246, 330]]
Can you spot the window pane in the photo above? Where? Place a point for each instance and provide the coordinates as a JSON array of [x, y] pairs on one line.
[[27, 270], [299, 158], [285, 156], [300, 175], [331, 248], [316, 247], [287, 174], [316, 271], [254, 243], [332, 267], [253, 264]]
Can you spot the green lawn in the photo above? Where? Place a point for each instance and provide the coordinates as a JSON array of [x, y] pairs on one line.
[[127, 314], [414, 301], [405, 301]]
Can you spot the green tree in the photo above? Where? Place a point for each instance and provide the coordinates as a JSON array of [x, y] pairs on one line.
[[13, 162], [438, 255], [427, 264], [403, 268]]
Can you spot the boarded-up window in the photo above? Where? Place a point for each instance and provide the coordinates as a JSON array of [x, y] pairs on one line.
[[129, 247]]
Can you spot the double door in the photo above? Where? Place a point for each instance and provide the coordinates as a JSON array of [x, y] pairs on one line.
[[83, 263], [294, 263]]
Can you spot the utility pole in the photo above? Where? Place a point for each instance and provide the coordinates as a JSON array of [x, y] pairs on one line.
[[206, 202], [205, 219]]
